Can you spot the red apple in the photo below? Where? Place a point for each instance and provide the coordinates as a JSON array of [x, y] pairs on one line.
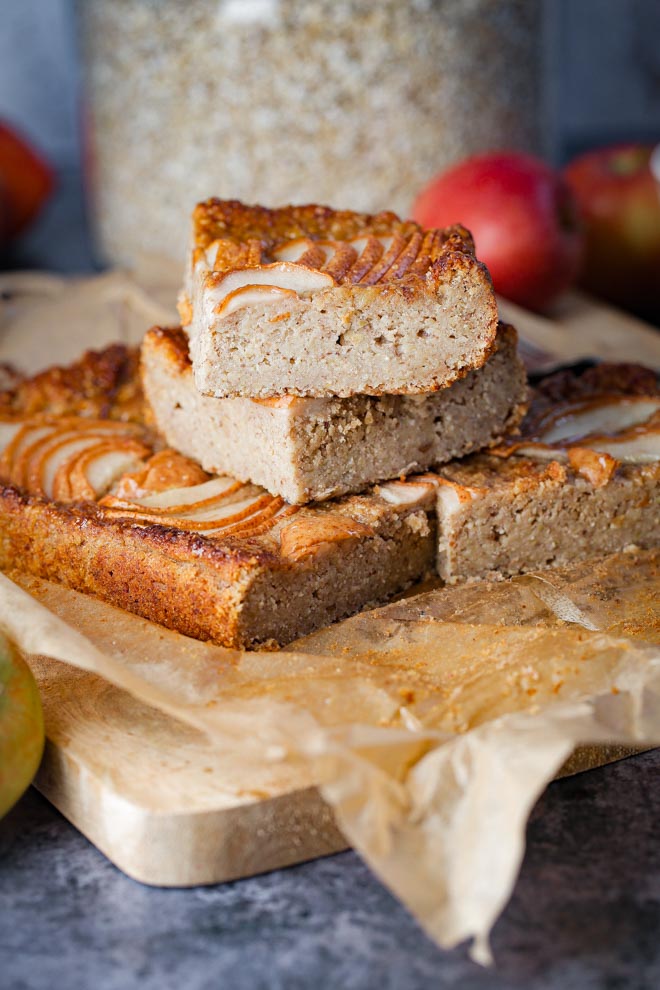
[[25, 178], [619, 199], [523, 219]]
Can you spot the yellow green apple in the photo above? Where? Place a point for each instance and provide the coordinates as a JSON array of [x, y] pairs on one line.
[[21, 725]]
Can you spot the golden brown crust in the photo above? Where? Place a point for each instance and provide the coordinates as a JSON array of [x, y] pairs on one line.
[[217, 218], [102, 385], [151, 571], [173, 342], [250, 236]]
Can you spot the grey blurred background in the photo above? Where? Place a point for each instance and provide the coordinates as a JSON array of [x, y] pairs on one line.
[[601, 84]]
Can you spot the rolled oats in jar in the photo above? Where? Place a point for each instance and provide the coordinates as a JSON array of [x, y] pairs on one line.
[[346, 102]]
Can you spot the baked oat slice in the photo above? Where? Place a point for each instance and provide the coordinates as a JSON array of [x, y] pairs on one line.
[[310, 301], [582, 480], [313, 449], [93, 503]]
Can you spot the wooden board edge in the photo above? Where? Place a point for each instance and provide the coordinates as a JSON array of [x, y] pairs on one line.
[[187, 850]]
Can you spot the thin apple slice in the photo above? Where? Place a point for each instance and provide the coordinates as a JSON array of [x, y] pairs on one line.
[[253, 295], [202, 519], [277, 278], [407, 258], [49, 462], [340, 258], [11, 460], [8, 431], [605, 414], [306, 534], [303, 251], [370, 250], [93, 472], [383, 266], [179, 499], [406, 492], [638, 445], [37, 464]]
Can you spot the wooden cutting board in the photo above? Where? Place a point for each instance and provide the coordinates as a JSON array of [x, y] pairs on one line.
[[163, 804]]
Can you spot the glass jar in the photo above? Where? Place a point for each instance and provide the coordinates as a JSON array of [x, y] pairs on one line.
[[346, 102]]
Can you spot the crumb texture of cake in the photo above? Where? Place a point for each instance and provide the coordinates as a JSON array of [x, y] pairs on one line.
[[99, 505], [582, 480], [310, 301], [314, 449]]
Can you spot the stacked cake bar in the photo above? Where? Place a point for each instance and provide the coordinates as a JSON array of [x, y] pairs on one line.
[[340, 415], [326, 351]]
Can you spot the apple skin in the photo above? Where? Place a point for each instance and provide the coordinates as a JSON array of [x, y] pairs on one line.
[[523, 219], [619, 199], [21, 725], [26, 180]]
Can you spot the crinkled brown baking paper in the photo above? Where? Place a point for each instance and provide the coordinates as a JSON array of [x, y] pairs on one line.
[[431, 726]]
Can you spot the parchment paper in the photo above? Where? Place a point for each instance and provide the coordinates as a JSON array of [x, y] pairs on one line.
[[431, 726]]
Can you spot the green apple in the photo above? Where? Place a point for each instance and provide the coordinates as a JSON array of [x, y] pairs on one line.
[[21, 725]]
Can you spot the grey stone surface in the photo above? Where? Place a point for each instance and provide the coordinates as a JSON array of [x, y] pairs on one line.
[[585, 912]]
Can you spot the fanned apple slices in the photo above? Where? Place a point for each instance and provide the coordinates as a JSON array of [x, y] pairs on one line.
[[624, 428], [68, 458], [75, 459], [216, 506], [304, 266]]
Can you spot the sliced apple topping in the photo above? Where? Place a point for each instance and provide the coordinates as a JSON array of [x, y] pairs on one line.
[[164, 470], [384, 265], [604, 414], [8, 431], [267, 283], [303, 251], [224, 253], [369, 250], [622, 428], [367, 259], [407, 492], [220, 505], [96, 470], [340, 258], [71, 458], [637, 445], [180, 498], [253, 295], [307, 533], [28, 433]]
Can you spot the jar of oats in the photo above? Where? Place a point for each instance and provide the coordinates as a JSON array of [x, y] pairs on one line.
[[346, 102]]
